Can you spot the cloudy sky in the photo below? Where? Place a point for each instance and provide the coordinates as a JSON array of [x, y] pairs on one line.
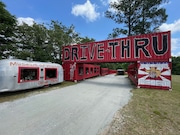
[[87, 16]]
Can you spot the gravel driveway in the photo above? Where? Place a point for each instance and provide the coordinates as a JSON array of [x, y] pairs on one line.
[[82, 109]]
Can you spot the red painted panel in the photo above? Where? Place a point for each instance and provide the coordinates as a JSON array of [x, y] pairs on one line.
[[69, 71], [104, 71], [132, 73], [112, 71], [148, 47], [91, 70]]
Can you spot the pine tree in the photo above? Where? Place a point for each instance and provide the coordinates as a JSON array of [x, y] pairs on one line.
[[138, 17]]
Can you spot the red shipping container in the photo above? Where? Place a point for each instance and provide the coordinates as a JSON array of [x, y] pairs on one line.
[[154, 75], [152, 52], [78, 71]]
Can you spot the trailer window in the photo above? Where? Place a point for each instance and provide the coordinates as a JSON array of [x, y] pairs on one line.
[[50, 73], [28, 74]]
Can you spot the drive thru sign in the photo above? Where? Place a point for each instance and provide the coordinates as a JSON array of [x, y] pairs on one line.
[[150, 53], [154, 46]]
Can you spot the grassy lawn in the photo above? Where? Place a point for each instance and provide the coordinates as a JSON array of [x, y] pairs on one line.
[[150, 112]]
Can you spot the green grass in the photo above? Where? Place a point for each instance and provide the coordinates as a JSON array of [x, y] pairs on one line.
[[150, 112]]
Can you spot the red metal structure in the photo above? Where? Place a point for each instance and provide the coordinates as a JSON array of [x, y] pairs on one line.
[[154, 75], [133, 73], [112, 71], [77, 72], [151, 54], [104, 71]]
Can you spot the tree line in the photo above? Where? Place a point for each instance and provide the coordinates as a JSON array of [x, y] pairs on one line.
[[38, 42], [176, 65], [115, 66]]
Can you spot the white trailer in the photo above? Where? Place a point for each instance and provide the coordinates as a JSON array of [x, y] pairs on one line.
[[16, 74]]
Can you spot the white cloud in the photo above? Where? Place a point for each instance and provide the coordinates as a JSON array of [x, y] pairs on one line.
[[175, 30], [163, 5], [110, 8], [175, 44], [104, 2], [86, 10], [29, 21], [178, 54], [173, 27], [175, 54]]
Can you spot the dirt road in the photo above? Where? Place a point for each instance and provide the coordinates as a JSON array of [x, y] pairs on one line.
[[82, 109]]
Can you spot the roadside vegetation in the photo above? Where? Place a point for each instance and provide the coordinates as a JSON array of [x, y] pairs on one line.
[[149, 112], [37, 42]]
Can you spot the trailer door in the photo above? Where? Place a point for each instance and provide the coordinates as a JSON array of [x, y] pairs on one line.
[[42, 74]]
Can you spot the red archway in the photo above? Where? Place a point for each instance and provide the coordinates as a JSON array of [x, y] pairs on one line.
[[150, 53]]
